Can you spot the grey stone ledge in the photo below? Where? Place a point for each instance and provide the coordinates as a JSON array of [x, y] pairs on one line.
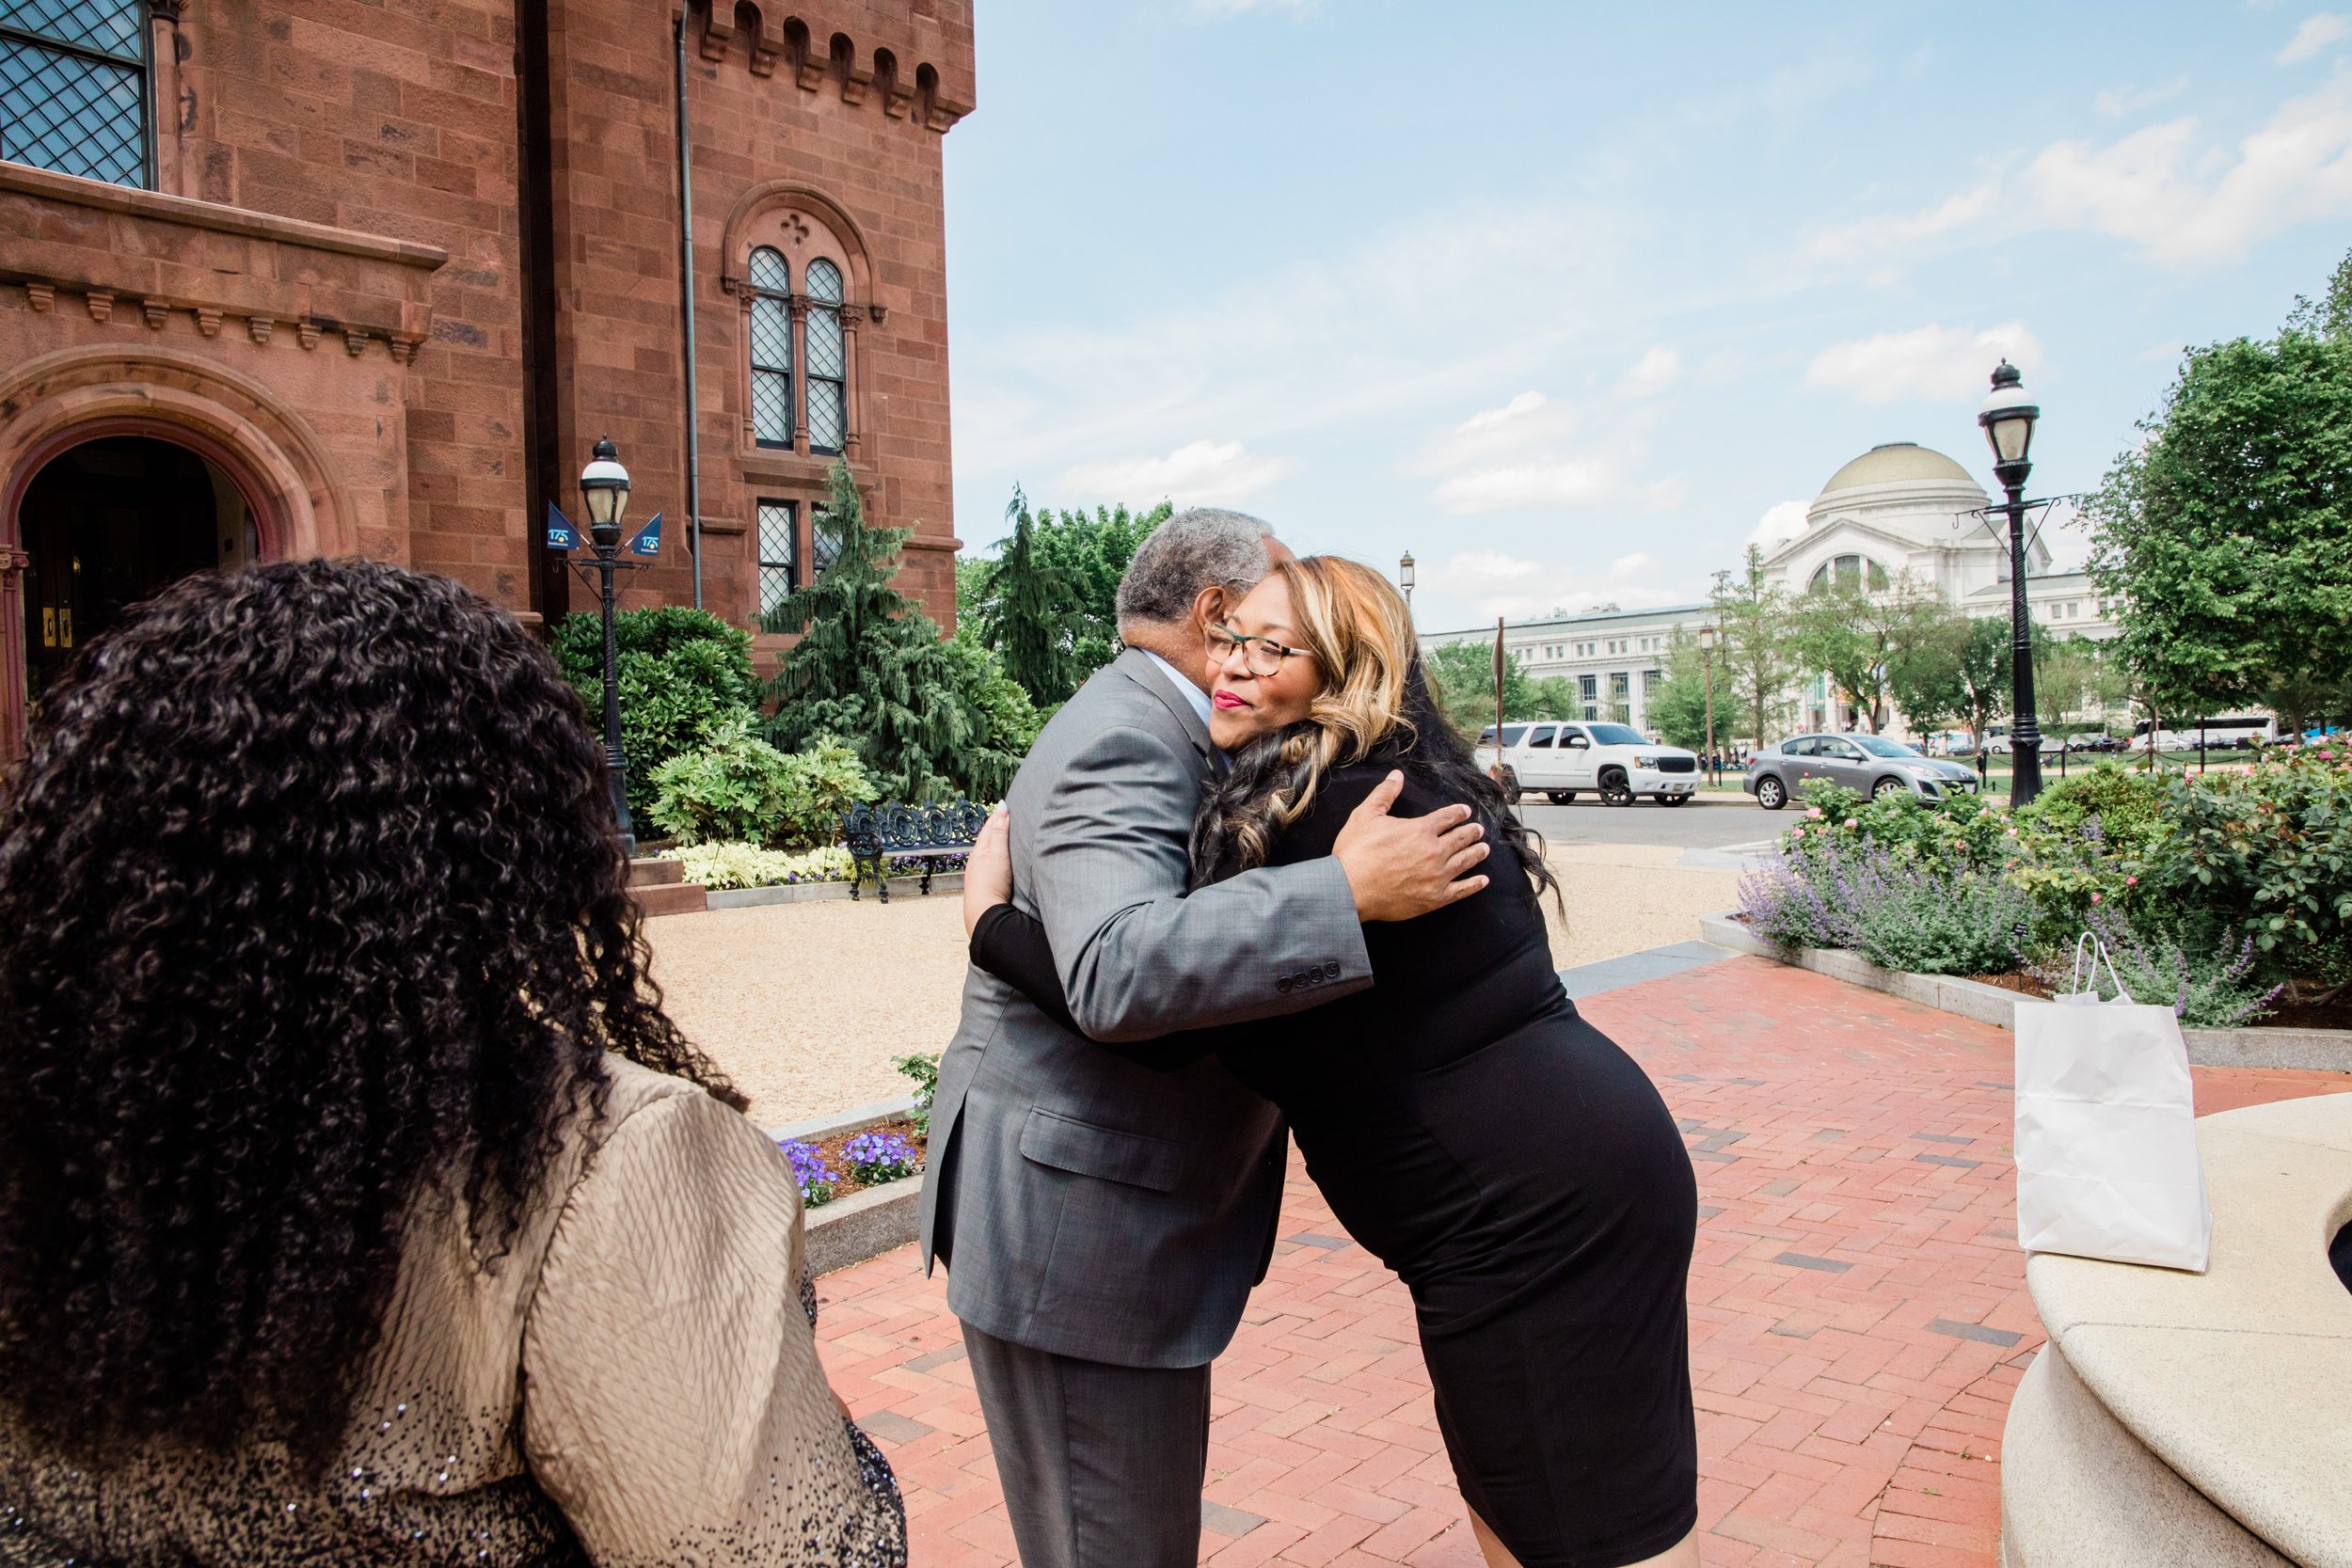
[[864, 1225], [2321, 1050]]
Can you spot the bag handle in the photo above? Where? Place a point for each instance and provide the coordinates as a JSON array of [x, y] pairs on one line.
[[2098, 951]]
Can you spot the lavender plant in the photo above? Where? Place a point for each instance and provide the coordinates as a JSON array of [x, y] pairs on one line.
[[1834, 888], [2206, 986], [874, 1158]]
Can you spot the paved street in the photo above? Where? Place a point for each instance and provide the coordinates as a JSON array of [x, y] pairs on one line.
[[1859, 1317], [1708, 822]]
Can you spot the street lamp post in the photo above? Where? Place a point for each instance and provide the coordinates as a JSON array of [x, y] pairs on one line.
[[1404, 578], [2009, 416], [604, 490], [1707, 677]]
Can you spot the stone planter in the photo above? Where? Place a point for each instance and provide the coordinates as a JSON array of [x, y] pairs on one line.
[[2327, 1050], [2199, 1419]]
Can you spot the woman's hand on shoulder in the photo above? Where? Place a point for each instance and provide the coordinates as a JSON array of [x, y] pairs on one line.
[[988, 871]]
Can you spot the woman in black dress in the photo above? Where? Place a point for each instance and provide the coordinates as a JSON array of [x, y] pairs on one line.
[[1516, 1169]]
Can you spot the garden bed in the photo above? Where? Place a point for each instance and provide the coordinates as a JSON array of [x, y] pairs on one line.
[[1993, 999]]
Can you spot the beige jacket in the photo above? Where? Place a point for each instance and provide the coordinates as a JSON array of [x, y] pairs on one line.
[[636, 1382]]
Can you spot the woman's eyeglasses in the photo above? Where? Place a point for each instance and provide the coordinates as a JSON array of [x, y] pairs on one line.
[[1260, 656]]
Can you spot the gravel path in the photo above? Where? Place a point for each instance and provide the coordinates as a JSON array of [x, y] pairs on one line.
[[805, 1004]]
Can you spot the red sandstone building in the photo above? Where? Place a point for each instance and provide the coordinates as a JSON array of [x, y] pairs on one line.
[[287, 277]]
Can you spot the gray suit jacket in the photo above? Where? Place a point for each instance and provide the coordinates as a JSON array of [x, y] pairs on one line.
[[1084, 1205]]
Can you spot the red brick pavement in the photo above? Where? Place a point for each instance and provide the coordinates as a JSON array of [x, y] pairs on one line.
[[1858, 1313]]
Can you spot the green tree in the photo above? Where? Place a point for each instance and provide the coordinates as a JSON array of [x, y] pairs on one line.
[[1026, 612], [1925, 666], [871, 668], [1462, 678], [2064, 671], [1849, 632], [684, 674], [1090, 553], [1677, 704], [2223, 541], [1755, 619]]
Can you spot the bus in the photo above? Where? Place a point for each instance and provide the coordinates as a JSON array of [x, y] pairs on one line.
[[2229, 731]]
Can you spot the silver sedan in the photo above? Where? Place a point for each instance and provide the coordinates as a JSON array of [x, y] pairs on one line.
[[1867, 763]]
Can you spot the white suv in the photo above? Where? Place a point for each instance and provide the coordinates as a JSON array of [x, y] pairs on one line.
[[1613, 760]]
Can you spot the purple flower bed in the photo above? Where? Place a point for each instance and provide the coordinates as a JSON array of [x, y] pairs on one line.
[[818, 1180], [875, 1158]]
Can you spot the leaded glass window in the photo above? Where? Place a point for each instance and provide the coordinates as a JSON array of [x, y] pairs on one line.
[[828, 360], [73, 87], [771, 348], [779, 548], [822, 546]]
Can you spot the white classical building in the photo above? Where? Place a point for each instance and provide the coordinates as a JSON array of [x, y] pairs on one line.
[[1899, 508], [1904, 508]]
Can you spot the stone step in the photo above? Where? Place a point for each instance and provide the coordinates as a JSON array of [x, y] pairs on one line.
[[648, 871], [671, 899]]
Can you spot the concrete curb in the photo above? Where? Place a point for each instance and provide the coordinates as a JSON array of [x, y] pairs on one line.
[[810, 893], [864, 1225], [2322, 1050]]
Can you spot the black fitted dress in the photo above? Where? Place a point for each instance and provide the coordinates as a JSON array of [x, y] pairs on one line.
[[1517, 1170]]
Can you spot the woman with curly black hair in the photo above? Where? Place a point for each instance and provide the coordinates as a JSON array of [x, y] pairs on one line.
[[357, 1202]]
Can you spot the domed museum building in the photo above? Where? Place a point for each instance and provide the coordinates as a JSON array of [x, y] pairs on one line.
[[1904, 508]]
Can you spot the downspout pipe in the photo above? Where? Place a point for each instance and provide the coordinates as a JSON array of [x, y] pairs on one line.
[[686, 291]]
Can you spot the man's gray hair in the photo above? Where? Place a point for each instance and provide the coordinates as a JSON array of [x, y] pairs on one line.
[[1204, 548]]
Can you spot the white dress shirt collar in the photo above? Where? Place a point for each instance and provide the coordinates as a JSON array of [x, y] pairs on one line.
[[1193, 694]]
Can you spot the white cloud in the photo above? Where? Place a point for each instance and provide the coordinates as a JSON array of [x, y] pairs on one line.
[[1551, 482], [1656, 370], [2187, 201], [1493, 582], [2118, 102], [1874, 235], [1526, 402], [2313, 36], [1932, 363], [1781, 522], [1198, 473]]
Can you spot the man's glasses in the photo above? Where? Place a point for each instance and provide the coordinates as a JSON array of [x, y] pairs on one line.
[[1260, 656]]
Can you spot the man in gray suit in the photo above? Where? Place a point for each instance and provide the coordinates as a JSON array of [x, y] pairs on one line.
[[1103, 1223]]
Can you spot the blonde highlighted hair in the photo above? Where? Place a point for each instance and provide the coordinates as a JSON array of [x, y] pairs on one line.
[[1374, 698]]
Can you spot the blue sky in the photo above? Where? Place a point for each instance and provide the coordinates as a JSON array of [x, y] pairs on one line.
[[1573, 300]]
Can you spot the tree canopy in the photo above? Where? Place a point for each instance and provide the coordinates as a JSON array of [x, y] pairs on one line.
[[2223, 541], [1755, 619], [1048, 601]]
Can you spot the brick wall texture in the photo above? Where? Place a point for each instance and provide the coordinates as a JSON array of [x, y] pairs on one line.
[[818, 130]]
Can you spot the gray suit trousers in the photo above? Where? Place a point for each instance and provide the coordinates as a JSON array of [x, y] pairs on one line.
[[1101, 1466]]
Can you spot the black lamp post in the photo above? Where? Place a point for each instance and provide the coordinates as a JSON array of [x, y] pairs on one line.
[[1707, 678], [1404, 578], [2008, 417], [604, 490]]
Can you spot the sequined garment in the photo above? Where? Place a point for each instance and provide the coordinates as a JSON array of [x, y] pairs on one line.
[[635, 1385]]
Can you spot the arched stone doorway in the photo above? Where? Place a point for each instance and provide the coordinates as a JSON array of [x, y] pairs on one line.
[[110, 521]]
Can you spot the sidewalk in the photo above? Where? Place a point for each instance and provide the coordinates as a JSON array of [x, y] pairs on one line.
[[1858, 1321]]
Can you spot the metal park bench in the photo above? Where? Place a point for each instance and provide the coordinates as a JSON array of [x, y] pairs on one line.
[[934, 838]]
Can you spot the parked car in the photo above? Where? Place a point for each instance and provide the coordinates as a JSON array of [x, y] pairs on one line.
[[1996, 742], [1564, 758], [1867, 763]]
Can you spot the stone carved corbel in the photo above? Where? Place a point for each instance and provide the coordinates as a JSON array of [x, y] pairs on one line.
[[42, 297], [718, 31], [102, 304], [158, 311]]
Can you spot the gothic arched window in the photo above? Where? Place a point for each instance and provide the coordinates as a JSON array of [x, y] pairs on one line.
[[771, 347], [827, 366]]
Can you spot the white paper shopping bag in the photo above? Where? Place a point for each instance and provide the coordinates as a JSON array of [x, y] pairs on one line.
[[2107, 1134]]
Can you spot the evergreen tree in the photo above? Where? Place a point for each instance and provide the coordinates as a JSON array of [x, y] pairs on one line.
[[1027, 613], [871, 665], [1090, 553]]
